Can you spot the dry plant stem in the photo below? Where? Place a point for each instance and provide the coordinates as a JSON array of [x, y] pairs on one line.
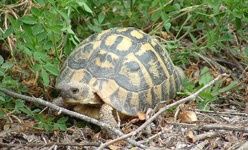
[[243, 74], [205, 136], [50, 144], [158, 9], [210, 117], [200, 145], [17, 5], [189, 98], [152, 137], [207, 127], [243, 146], [223, 113], [218, 115], [223, 127], [178, 109], [68, 112], [8, 38], [212, 63], [19, 120]]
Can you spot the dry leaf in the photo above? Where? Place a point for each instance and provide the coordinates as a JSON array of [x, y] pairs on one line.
[[117, 145], [95, 136], [193, 71], [165, 35], [187, 117], [141, 115], [113, 147], [190, 136]]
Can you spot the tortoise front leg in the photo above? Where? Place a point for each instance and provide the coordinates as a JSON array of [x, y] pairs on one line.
[[106, 116]]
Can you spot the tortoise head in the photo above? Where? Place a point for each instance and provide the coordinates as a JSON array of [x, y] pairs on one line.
[[74, 90]]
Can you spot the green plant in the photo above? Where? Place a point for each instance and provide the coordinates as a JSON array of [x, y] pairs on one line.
[[42, 35], [48, 123], [211, 94]]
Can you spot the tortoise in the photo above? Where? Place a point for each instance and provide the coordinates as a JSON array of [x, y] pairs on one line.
[[122, 69]]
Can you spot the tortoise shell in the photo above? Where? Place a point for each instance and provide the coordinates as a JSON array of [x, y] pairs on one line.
[[125, 67]]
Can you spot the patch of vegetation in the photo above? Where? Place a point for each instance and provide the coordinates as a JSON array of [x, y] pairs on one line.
[[40, 34], [211, 94]]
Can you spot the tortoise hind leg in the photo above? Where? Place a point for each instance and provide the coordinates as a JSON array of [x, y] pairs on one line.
[[106, 116]]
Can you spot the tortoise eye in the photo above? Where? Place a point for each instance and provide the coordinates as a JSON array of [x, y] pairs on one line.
[[74, 90]]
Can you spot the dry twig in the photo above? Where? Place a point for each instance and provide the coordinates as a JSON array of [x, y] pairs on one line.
[[223, 113], [212, 127], [152, 137], [243, 146], [11, 6], [200, 146], [50, 144], [189, 98], [223, 127], [209, 117], [68, 112], [205, 136]]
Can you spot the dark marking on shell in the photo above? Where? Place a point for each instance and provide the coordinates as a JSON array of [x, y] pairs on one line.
[[130, 77], [116, 101], [177, 80], [128, 34], [148, 57], [99, 70], [77, 60], [113, 48], [164, 90], [65, 75], [143, 103], [172, 92], [165, 57], [87, 77], [127, 105]]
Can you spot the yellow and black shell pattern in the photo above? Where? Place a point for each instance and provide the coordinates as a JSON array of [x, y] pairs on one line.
[[127, 68]]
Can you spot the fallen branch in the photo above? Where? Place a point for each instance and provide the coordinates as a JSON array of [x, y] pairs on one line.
[[50, 144], [223, 127], [152, 137], [243, 146], [200, 145], [209, 117], [184, 100], [208, 127], [205, 136], [223, 113], [68, 112]]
